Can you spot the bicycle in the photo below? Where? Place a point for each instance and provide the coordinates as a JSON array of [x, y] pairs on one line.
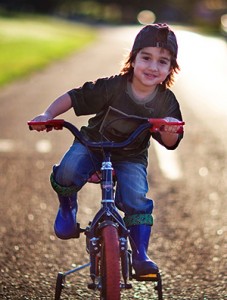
[[106, 235]]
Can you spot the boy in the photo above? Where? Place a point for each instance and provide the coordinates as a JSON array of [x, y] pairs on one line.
[[140, 89]]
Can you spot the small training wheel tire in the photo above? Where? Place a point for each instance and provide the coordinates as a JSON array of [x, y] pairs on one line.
[[59, 285], [159, 288]]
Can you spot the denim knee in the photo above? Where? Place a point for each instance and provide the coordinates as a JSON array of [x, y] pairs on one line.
[[132, 188], [75, 168]]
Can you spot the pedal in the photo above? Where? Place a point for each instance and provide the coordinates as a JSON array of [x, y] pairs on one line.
[[92, 286], [128, 286], [81, 230], [147, 277]]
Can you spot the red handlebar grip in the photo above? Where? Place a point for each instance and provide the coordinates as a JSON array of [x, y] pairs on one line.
[[157, 124], [56, 124]]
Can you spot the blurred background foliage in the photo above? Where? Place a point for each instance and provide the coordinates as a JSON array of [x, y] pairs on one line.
[[203, 13]]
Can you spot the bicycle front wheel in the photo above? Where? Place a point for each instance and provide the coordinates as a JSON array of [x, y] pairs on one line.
[[110, 264]]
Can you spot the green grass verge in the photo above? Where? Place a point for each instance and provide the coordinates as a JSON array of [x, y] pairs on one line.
[[28, 44]]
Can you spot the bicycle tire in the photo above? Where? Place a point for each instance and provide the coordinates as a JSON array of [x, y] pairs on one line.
[[110, 264]]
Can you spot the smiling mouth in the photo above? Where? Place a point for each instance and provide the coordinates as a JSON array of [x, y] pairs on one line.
[[150, 76]]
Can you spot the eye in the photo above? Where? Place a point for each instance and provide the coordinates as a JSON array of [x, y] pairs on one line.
[[163, 62], [145, 57]]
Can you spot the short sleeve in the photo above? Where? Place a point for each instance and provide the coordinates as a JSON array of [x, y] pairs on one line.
[[90, 98], [93, 97]]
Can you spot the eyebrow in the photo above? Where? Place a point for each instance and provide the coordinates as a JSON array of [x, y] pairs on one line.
[[149, 54]]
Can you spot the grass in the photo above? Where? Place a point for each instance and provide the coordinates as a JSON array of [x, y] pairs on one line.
[[28, 44]]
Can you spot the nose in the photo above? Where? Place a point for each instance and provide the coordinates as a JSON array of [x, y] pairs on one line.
[[153, 66]]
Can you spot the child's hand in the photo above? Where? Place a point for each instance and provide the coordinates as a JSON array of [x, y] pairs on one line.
[[169, 133], [41, 118], [171, 129]]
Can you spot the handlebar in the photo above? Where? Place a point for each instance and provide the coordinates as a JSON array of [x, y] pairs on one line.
[[154, 125]]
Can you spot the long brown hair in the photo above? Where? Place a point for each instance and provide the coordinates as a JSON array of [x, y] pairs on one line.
[[128, 68]]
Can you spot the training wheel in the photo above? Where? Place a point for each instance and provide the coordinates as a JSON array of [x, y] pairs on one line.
[[59, 285]]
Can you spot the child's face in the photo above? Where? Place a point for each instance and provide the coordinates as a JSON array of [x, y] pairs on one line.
[[151, 66]]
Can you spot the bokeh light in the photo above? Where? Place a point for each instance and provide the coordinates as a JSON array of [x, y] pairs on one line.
[[224, 22], [146, 17]]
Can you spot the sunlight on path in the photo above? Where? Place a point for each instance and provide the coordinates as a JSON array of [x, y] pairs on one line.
[[43, 146], [203, 62], [201, 84], [6, 145], [168, 162]]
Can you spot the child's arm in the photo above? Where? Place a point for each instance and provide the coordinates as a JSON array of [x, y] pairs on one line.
[[58, 107], [169, 134]]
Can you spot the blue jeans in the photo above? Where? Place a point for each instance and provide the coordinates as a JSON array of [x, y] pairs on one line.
[[78, 164]]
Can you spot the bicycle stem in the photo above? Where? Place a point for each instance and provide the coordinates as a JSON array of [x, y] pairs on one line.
[[107, 181]]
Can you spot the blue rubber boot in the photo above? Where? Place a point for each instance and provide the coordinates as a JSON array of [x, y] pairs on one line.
[[139, 240], [65, 225]]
